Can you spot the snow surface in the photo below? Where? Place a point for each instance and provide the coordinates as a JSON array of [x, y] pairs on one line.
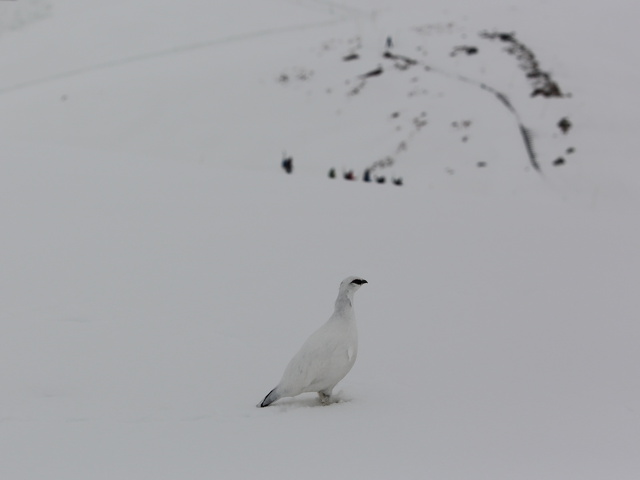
[[158, 267]]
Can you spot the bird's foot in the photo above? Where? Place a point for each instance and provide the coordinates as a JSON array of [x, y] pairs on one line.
[[324, 398]]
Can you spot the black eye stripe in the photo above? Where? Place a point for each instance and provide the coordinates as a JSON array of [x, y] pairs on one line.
[[358, 281]]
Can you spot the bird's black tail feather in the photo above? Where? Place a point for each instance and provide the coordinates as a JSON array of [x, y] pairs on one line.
[[271, 397]]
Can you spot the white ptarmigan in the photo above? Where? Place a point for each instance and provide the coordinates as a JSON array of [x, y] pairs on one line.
[[327, 355]]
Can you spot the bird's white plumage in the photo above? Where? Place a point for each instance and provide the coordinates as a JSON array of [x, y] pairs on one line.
[[327, 355]]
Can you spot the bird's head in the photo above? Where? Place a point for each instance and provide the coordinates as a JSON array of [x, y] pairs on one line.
[[351, 284]]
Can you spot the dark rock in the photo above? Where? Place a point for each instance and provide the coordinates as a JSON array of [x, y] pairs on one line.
[[564, 125], [373, 73]]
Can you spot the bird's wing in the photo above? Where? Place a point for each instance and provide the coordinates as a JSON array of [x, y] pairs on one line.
[[314, 359]]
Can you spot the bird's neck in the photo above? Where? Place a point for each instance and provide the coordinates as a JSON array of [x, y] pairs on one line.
[[344, 303]]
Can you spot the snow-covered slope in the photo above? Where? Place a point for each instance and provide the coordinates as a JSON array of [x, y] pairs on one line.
[[159, 269]]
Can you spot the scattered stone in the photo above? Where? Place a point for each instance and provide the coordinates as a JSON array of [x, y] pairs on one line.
[[541, 81], [481, 164], [469, 50], [350, 57], [419, 122], [463, 124], [297, 73], [570, 150], [401, 62], [356, 90], [287, 164], [435, 28], [564, 125], [383, 163], [558, 161], [373, 73], [303, 75], [417, 91]]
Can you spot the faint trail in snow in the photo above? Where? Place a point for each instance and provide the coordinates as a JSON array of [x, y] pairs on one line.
[[77, 420], [171, 51], [328, 6], [501, 97], [73, 320], [196, 418]]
